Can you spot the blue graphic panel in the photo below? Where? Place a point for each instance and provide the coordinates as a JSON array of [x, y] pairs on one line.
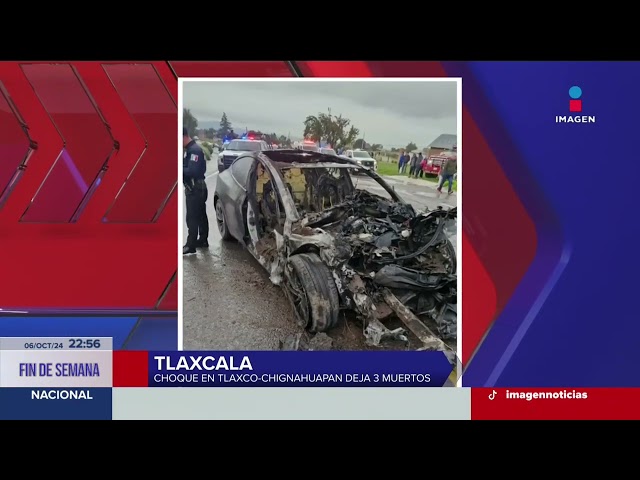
[[582, 329], [55, 404], [117, 327]]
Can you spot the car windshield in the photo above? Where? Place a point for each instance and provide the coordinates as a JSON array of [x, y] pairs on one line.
[[361, 155], [315, 189], [244, 146], [328, 151]]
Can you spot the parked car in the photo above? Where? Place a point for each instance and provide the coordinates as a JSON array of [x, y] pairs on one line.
[[308, 146], [363, 158], [235, 148], [328, 151], [331, 246], [434, 164]]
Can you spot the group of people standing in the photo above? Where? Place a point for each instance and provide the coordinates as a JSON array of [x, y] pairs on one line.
[[416, 164]]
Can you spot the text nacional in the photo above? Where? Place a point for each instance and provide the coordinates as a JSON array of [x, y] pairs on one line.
[[209, 363], [61, 395]]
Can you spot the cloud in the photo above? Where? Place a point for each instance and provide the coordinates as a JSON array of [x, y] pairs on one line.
[[390, 113]]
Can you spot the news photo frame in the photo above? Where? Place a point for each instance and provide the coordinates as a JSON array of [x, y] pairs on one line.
[[216, 284]]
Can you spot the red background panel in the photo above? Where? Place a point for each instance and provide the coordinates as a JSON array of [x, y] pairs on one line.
[[169, 301], [130, 369], [154, 111], [599, 404], [230, 69], [92, 264], [505, 243], [479, 303], [88, 143], [14, 143], [334, 69]]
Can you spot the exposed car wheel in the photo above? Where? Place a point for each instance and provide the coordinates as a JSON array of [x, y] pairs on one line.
[[221, 221], [312, 292]]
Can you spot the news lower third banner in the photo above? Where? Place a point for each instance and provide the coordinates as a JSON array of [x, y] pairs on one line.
[[298, 369], [56, 378], [73, 378]]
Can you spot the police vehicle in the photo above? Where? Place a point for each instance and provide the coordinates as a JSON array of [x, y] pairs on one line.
[[309, 146], [328, 151], [237, 147], [363, 158]]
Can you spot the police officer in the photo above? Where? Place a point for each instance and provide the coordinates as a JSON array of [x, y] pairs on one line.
[[193, 169]]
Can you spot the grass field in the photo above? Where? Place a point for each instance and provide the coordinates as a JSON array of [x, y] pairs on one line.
[[391, 169]]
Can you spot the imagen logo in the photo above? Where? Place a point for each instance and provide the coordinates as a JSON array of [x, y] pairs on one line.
[[575, 106]]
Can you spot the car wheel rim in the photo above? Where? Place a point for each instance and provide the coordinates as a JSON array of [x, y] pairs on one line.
[[298, 298], [220, 218]]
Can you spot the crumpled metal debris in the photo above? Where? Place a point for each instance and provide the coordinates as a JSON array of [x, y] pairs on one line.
[[382, 250]]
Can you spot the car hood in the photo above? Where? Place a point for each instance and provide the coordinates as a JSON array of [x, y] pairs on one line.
[[387, 229]]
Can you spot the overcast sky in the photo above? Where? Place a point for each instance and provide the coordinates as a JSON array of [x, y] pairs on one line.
[[390, 113]]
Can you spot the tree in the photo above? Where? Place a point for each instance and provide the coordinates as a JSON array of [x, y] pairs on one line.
[[284, 141], [411, 147], [207, 149], [337, 131], [189, 121], [360, 143], [225, 126]]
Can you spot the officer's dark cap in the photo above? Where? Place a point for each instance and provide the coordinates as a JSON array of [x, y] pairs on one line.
[[185, 132]]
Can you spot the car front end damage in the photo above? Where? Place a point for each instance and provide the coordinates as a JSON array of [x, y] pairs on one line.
[[388, 262]]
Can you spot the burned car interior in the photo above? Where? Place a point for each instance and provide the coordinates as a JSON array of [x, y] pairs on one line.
[[336, 249]]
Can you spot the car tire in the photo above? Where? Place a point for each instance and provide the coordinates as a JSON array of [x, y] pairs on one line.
[[312, 291], [221, 221]]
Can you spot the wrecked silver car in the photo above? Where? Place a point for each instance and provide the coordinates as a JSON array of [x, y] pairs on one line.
[[333, 247]]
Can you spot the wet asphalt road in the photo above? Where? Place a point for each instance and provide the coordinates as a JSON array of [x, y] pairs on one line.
[[229, 302]]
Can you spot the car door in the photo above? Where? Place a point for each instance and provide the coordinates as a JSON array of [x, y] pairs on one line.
[[234, 210]]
